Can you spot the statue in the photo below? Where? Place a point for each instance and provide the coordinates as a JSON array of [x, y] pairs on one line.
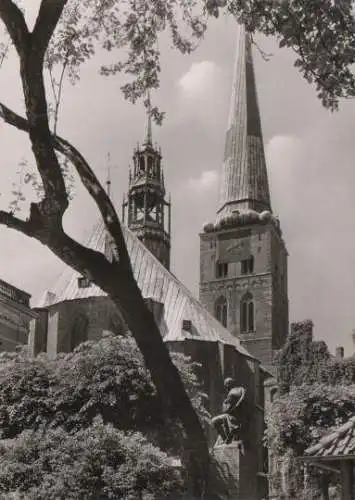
[[228, 424]]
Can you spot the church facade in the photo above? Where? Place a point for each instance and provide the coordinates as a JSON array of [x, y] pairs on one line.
[[241, 316]]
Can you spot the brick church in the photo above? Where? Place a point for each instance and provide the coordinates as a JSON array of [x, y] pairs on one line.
[[241, 316]]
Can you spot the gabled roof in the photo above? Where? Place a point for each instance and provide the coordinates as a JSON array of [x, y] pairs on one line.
[[338, 443], [156, 283], [244, 181]]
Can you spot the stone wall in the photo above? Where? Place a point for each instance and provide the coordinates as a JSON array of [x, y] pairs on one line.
[[234, 478]]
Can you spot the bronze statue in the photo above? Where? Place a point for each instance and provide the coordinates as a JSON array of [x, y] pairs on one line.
[[228, 424]]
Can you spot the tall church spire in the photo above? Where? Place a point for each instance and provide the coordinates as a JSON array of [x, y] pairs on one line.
[[244, 183]]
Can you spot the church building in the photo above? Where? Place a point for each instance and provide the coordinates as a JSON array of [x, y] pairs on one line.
[[241, 317]]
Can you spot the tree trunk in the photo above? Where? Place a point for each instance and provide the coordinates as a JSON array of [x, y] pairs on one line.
[[128, 298]]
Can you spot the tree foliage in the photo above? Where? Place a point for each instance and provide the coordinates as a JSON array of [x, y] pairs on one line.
[[106, 378], [90, 424], [305, 361], [316, 394], [301, 417], [301, 360], [96, 462], [320, 32], [298, 420]]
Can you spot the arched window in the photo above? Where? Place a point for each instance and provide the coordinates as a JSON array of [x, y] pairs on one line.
[[221, 310], [141, 164], [247, 313], [79, 331], [150, 167]]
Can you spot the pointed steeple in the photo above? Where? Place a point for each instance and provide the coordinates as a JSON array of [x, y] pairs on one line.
[[244, 183], [148, 124]]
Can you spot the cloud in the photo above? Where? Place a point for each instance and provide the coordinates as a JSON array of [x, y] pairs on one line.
[[200, 96], [199, 79], [311, 176], [207, 181]]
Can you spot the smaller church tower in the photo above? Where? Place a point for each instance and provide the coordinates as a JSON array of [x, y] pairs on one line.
[[145, 210]]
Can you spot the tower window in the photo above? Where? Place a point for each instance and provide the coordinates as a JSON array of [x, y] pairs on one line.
[[141, 164], [247, 265], [247, 314], [150, 166], [221, 269], [221, 310]]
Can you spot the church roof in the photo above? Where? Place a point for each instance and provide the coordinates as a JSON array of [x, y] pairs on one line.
[[156, 283], [244, 183]]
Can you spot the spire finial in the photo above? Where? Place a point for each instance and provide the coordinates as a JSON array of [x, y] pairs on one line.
[[148, 122], [108, 180]]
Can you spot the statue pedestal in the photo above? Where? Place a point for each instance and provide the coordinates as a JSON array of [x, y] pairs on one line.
[[227, 457]]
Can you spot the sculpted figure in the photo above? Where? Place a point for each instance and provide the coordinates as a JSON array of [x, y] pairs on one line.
[[228, 424]]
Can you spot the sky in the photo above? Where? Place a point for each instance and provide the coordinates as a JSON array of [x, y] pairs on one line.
[[310, 158]]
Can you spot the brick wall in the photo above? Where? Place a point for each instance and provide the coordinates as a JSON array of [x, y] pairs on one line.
[[267, 284]]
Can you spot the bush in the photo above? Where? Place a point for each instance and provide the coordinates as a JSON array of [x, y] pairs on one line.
[[106, 378], [99, 462]]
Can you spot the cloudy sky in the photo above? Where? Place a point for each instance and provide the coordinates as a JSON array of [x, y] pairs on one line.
[[311, 165]]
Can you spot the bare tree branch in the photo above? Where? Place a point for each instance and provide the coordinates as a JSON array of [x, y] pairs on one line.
[[31, 49], [9, 220], [15, 24], [86, 261], [89, 180], [46, 22]]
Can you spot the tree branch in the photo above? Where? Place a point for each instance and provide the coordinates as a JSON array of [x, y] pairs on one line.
[[86, 261], [101, 198], [9, 220], [31, 48], [46, 22], [90, 182], [15, 24]]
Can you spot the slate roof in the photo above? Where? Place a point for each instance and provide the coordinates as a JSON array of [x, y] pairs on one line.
[[155, 282], [244, 182], [337, 444]]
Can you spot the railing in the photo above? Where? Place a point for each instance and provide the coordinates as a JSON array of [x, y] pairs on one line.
[[13, 293]]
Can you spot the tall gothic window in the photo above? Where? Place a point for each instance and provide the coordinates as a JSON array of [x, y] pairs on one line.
[[221, 269], [221, 309], [247, 313], [247, 265]]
